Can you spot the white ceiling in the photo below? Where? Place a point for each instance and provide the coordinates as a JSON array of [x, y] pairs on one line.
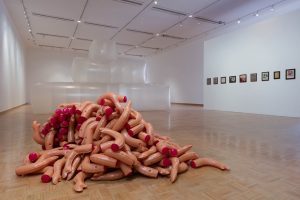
[[133, 24]]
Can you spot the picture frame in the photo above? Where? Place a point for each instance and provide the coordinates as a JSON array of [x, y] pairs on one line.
[[253, 77], [290, 74], [232, 79], [265, 76], [223, 80], [208, 81], [243, 78], [276, 75], [215, 80]]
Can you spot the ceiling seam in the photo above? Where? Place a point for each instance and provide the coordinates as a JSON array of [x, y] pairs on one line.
[[149, 4], [71, 40]]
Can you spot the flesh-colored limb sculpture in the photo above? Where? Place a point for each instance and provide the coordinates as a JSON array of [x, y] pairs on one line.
[[36, 133], [154, 158], [34, 167], [200, 162], [146, 154], [110, 176], [174, 169], [57, 169], [79, 184], [131, 141], [123, 118], [120, 155], [136, 130], [102, 159], [188, 156]]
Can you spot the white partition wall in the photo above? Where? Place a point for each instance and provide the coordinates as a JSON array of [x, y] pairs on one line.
[[268, 46], [12, 63]]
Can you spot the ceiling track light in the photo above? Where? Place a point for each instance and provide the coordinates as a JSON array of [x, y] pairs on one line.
[[79, 21], [257, 14], [238, 21], [190, 16], [155, 2], [157, 34]]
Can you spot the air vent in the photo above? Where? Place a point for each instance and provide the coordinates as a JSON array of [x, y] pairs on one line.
[[121, 44], [51, 35], [52, 17], [150, 48], [133, 55], [101, 25], [173, 37], [209, 20], [80, 49], [136, 31], [50, 46], [84, 39], [165, 10], [136, 3]]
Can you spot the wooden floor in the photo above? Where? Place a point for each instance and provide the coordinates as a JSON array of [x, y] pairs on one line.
[[262, 151]]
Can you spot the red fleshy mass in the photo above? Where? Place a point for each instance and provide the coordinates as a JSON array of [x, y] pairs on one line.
[[46, 178], [33, 157]]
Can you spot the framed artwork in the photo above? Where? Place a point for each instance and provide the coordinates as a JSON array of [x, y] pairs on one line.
[[277, 75], [232, 79], [223, 80], [243, 78], [253, 77], [265, 76], [290, 74], [208, 81], [215, 80]]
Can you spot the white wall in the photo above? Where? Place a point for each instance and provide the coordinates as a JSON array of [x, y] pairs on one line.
[[182, 69], [270, 45], [47, 65], [12, 63]]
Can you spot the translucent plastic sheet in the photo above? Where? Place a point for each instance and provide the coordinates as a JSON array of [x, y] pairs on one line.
[[45, 97]]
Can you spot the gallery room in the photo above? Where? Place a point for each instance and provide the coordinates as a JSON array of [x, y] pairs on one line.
[[144, 99]]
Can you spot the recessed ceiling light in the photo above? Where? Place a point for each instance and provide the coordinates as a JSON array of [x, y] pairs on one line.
[[257, 14], [29, 30], [238, 21], [190, 16], [155, 2], [79, 21], [157, 34]]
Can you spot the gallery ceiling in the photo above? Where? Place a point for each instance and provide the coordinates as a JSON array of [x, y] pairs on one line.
[[139, 27]]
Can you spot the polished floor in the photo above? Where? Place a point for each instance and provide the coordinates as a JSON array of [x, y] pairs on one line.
[[262, 151]]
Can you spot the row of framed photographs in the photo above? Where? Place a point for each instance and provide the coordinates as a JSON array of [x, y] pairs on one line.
[[289, 74]]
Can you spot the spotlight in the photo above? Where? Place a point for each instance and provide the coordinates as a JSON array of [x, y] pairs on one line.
[[190, 16], [180, 24], [238, 21], [157, 34], [272, 9], [257, 14], [29, 30], [155, 2], [79, 21]]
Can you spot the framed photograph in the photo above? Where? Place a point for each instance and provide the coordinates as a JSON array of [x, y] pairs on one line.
[[208, 81], [290, 74], [215, 80], [232, 79], [223, 80], [253, 77], [243, 78], [265, 76], [277, 75]]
